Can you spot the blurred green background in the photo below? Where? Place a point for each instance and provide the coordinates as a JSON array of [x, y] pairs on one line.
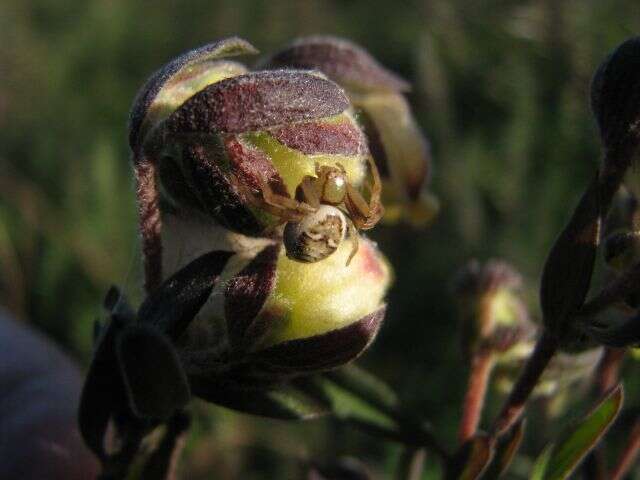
[[500, 88]]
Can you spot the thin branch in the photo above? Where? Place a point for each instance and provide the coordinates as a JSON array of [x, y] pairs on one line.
[[629, 455], [545, 349], [481, 366]]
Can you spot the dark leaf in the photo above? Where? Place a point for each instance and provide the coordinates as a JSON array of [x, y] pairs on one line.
[[567, 272], [177, 301], [155, 381], [341, 60], [257, 101], [103, 394], [227, 47]]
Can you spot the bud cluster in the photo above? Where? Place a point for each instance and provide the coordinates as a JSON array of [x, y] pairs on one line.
[[253, 187]]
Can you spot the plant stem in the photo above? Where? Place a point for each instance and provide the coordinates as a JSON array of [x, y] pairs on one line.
[[545, 349], [150, 222], [608, 371], [411, 464], [481, 366], [629, 455]]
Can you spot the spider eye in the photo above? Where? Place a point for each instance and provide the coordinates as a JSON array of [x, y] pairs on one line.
[[334, 190]]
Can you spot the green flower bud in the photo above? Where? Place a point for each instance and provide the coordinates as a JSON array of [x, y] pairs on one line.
[[398, 146], [271, 316], [493, 317]]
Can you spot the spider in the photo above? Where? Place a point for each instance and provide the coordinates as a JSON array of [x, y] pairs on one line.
[[315, 219]]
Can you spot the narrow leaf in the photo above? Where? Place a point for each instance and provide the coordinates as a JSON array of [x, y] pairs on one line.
[[567, 272], [283, 402], [561, 458]]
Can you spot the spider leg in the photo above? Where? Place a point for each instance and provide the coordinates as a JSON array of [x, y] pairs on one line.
[[307, 192], [353, 233], [366, 215]]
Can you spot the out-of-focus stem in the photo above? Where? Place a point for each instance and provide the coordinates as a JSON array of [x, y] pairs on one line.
[[544, 351], [411, 464], [629, 455], [481, 366], [609, 369]]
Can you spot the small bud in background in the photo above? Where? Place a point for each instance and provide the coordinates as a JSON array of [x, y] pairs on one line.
[[395, 140], [565, 373], [492, 315], [622, 250]]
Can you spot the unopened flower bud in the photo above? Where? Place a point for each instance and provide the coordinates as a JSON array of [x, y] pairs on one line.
[[615, 101], [396, 142], [492, 315], [276, 316], [622, 250]]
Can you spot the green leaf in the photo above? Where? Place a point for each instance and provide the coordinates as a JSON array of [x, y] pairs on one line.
[[365, 384], [560, 458], [344, 404]]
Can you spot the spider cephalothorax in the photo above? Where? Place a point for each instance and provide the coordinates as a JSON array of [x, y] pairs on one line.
[[316, 220]]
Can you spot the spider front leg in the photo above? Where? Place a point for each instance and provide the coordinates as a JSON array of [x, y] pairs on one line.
[[365, 214], [286, 208]]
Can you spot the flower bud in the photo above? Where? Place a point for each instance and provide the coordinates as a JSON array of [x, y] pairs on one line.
[[398, 146], [622, 250], [564, 373], [492, 315], [237, 150], [615, 101], [274, 317]]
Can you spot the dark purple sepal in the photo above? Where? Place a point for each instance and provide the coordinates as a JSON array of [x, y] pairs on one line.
[[321, 352], [245, 296], [256, 101], [316, 137], [252, 167], [103, 394], [615, 98], [155, 382], [211, 189], [227, 47], [176, 302], [341, 60]]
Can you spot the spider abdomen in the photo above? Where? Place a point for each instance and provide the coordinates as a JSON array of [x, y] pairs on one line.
[[316, 236]]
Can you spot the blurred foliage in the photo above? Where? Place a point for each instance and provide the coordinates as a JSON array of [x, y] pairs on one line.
[[500, 86]]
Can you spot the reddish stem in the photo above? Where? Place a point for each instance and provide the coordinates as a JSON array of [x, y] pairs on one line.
[[150, 223], [481, 367], [545, 349], [629, 455], [609, 369]]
